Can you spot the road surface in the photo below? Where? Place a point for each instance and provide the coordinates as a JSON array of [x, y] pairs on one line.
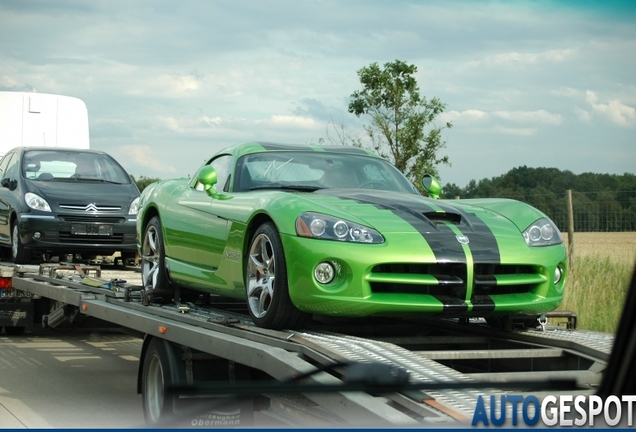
[[62, 379]]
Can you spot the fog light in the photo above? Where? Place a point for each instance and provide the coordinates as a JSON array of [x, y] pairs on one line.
[[324, 272], [37, 234], [557, 275]]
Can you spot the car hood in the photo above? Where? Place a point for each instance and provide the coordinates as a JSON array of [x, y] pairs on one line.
[[82, 193], [391, 212]]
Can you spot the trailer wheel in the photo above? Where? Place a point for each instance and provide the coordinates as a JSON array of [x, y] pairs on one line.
[[14, 331], [266, 283], [154, 274], [19, 255], [158, 374]]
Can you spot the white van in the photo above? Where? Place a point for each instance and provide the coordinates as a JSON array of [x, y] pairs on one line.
[[44, 120]]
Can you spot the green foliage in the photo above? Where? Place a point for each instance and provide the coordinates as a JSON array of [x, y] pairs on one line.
[[144, 181], [596, 291], [602, 202], [401, 125]]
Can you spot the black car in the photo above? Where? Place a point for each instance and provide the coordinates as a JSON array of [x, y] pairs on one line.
[[57, 201]]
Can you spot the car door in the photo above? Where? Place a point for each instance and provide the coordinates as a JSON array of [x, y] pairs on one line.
[[7, 167], [195, 234]]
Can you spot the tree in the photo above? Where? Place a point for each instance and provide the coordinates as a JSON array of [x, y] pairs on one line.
[[144, 181], [399, 118]]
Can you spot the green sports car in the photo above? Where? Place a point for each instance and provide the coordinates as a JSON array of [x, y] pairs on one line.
[[338, 231]]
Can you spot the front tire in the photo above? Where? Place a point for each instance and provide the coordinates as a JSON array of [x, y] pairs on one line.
[[19, 255], [154, 275], [266, 282]]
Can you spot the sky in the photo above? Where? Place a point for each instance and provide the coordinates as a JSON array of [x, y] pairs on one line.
[[169, 83]]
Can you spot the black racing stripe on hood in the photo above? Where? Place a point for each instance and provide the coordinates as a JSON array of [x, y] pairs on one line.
[[483, 243], [439, 237]]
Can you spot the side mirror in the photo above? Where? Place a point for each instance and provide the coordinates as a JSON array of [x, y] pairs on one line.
[[6, 183], [208, 178], [431, 186]]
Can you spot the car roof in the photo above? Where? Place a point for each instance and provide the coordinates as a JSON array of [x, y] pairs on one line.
[[63, 149], [262, 147]]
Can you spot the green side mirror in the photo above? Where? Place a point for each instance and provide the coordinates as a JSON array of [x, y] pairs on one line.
[[431, 186], [208, 178]]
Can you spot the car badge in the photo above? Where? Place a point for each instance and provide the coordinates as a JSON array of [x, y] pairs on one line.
[[462, 239], [90, 208]]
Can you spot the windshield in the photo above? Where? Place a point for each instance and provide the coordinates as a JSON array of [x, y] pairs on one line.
[[58, 165], [316, 170]]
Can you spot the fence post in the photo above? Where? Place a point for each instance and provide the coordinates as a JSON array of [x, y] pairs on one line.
[[570, 229]]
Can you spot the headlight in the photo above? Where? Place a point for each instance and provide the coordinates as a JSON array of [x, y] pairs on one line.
[[36, 202], [542, 233], [316, 225], [134, 207]]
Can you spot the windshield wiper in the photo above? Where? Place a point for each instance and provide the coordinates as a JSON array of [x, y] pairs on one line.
[[303, 188], [89, 179]]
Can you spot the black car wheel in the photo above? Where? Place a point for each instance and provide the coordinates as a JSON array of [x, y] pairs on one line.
[[154, 275], [19, 254], [268, 299]]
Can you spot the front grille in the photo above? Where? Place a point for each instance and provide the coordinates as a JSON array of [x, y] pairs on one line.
[[494, 279], [90, 208], [433, 279], [449, 279], [91, 219], [66, 237]]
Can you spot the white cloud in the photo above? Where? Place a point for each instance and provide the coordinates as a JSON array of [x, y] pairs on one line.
[[515, 131], [7, 81], [171, 123], [614, 110], [540, 116], [463, 116], [583, 115], [525, 117], [143, 155], [298, 122], [172, 86], [516, 58], [212, 121]]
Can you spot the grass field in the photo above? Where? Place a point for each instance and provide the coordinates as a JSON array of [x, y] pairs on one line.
[[599, 278]]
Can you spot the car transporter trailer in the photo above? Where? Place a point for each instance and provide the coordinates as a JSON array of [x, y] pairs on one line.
[[207, 364]]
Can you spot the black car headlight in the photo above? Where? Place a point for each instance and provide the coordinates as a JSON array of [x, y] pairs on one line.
[[320, 226], [542, 233], [36, 202]]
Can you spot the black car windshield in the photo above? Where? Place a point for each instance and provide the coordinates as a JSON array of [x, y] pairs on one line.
[[60, 165], [317, 170]]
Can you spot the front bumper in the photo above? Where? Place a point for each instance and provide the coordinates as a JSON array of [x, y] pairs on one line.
[[53, 233], [403, 277]]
